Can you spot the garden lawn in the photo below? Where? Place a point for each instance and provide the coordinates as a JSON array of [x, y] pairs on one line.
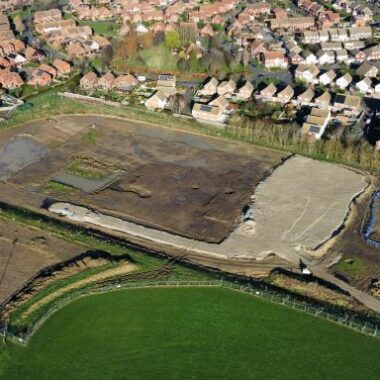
[[189, 333], [106, 28]]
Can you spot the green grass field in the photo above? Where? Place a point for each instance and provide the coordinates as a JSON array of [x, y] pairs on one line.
[[189, 333]]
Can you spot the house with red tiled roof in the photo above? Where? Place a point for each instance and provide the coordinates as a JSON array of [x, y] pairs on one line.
[[4, 63], [275, 59], [106, 82], [6, 47], [31, 54], [279, 12], [49, 69], [62, 67], [10, 80], [40, 78], [89, 81], [125, 82]]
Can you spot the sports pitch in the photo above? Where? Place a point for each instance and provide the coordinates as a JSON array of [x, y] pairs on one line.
[[189, 333]]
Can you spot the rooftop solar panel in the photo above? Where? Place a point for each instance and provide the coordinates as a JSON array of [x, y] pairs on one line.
[[206, 108], [314, 129]]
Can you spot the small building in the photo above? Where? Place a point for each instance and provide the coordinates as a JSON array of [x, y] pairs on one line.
[[323, 100], [327, 77], [210, 88], [106, 82], [125, 82], [209, 113], [279, 13], [226, 88], [157, 101], [367, 69], [220, 102], [307, 73], [89, 81], [49, 69], [372, 53], [344, 81], [62, 67], [285, 96], [316, 123], [348, 104], [267, 93], [310, 59], [306, 97], [246, 91], [341, 55], [10, 79], [40, 78], [326, 57], [365, 86], [166, 83], [274, 59]]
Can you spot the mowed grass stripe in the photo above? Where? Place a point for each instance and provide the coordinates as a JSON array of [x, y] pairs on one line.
[[190, 333]]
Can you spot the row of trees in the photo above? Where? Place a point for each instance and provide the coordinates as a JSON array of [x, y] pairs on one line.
[[357, 153], [216, 56]]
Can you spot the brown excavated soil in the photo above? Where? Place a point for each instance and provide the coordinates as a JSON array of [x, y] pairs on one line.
[[351, 246], [179, 182], [351, 241], [376, 231], [25, 251]]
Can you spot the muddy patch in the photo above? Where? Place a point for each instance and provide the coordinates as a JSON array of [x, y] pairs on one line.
[[18, 153]]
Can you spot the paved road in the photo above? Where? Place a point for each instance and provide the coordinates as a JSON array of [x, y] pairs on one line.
[[364, 298]]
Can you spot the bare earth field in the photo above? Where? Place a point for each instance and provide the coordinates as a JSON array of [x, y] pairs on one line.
[[25, 251], [293, 214], [351, 241], [180, 192], [177, 182]]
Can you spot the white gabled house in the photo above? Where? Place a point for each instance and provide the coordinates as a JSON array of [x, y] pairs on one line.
[[324, 100], [157, 101], [365, 86], [341, 55], [306, 97], [327, 77], [308, 74], [226, 88], [267, 94], [210, 87], [377, 89], [326, 57], [344, 81], [316, 123], [286, 95], [311, 59], [245, 92]]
